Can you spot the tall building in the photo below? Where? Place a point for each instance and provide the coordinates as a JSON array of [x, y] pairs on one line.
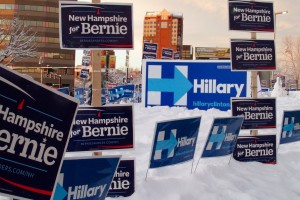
[[165, 29], [43, 17]]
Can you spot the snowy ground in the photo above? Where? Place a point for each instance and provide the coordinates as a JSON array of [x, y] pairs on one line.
[[215, 178]]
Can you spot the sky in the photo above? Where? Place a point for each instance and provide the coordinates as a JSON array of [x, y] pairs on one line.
[[219, 178], [205, 24]]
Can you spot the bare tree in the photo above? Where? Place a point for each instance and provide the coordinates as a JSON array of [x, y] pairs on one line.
[[17, 41], [290, 59]]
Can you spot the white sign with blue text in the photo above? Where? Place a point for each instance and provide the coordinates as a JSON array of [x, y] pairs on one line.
[[193, 84]]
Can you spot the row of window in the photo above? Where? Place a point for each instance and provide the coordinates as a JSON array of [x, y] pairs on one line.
[[37, 39], [57, 55], [29, 8], [31, 23]]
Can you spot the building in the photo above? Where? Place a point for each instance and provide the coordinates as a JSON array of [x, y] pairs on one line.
[[165, 29], [43, 17], [212, 53], [187, 52]]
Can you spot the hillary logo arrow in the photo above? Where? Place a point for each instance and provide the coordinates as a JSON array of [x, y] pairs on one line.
[[179, 85], [169, 144]]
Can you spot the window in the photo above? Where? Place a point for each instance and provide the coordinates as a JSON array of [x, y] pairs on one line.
[[164, 25]]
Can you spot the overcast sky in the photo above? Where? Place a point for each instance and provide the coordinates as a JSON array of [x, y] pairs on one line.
[[205, 24]]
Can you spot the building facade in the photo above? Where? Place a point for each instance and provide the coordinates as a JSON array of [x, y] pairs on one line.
[[165, 29], [43, 18], [187, 52]]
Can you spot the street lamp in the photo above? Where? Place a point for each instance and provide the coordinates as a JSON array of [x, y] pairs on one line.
[[278, 13], [275, 20]]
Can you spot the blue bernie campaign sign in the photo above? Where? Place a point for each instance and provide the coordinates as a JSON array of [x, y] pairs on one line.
[[258, 113], [123, 184], [253, 55], [119, 92], [95, 26], [102, 128], [290, 130], [84, 73], [167, 53], [251, 16], [149, 56], [222, 136], [193, 84], [35, 123], [85, 177], [150, 47], [174, 142], [260, 148]]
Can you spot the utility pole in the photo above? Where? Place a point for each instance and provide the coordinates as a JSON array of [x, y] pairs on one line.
[[96, 71], [96, 80]]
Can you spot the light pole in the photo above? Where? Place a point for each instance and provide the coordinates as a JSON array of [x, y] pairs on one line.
[[275, 19]]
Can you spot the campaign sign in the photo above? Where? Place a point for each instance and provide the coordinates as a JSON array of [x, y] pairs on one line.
[[251, 16], [253, 55], [222, 136], [95, 26], [150, 47], [79, 94], [85, 177], [256, 148], [35, 123], [176, 55], [258, 113], [290, 131], [193, 84], [174, 142], [87, 52], [86, 60], [167, 53], [149, 56], [120, 92], [65, 90], [123, 183], [84, 73], [102, 128]]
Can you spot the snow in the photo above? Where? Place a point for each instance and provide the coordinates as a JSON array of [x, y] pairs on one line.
[[215, 178]]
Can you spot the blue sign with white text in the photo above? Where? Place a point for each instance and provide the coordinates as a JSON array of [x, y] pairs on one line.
[[150, 47], [174, 142], [193, 84], [222, 136], [167, 53], [290, 131], [95, 26], [35, 123], [261, 148], [102, 128], [84, 73], [79, 94], [120, 92], [251, 16], [123, 184], [86, 178], [253, 55]]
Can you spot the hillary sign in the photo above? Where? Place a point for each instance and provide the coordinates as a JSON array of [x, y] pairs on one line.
[[95, 26], [174, 142], [194, 84]]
